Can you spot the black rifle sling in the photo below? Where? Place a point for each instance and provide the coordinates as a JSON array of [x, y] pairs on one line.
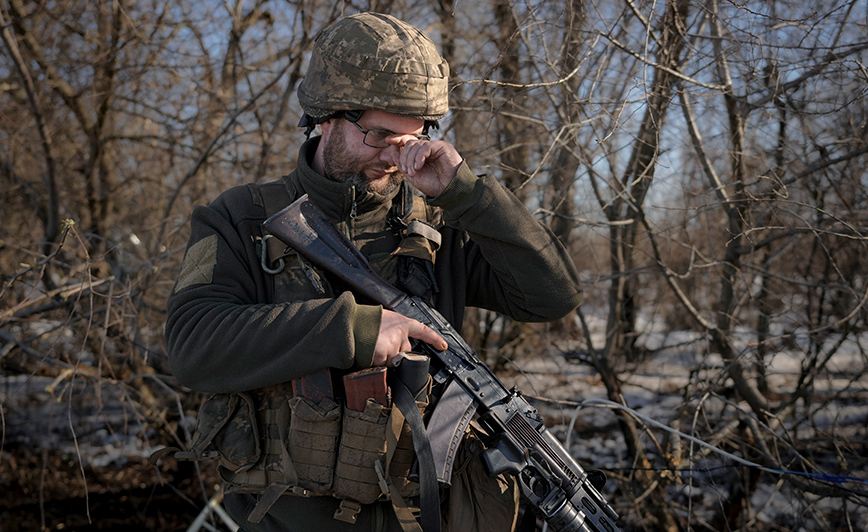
[[429, 492]]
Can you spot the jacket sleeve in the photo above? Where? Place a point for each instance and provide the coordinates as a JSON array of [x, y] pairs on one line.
[[511, 262], [221, 336]]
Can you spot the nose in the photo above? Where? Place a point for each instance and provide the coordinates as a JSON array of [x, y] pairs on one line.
[[391, 152]]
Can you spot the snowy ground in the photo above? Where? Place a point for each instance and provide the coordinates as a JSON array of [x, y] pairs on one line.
[[74, 418], [671, 388], [96, 425]]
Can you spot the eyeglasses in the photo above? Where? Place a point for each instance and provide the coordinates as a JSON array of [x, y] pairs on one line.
[[376, 138]]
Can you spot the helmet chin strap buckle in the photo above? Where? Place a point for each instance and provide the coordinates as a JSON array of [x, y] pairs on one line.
[[308, 123]]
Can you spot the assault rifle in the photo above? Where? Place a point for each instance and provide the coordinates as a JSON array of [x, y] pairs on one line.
[[555, 486]]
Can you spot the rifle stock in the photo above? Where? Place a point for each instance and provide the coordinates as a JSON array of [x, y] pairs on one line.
[[554, 484], [304, 228]]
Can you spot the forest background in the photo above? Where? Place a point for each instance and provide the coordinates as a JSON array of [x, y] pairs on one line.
[[704, 161]]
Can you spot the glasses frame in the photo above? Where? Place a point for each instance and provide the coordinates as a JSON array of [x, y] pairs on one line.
[[383, 133]]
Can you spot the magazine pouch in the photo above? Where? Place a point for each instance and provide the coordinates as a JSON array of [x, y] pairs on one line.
[[363, 444], [314, 431]]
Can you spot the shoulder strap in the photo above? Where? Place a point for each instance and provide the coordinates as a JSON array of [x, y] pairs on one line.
[[272, 197]]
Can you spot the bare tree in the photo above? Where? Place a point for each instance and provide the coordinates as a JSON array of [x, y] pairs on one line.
[[704, 160]]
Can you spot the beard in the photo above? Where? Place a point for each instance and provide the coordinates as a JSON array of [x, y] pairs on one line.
[[340, 165]]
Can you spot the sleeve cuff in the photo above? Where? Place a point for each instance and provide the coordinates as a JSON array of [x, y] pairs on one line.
[[366, 330], [461, 194]]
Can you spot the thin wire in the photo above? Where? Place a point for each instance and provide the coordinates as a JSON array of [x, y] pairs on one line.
[[611, 404]]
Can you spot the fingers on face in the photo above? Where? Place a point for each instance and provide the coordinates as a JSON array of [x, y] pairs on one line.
[[413, 157], [411, 152]]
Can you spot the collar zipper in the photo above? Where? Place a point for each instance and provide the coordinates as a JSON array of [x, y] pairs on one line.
[[354, 207]]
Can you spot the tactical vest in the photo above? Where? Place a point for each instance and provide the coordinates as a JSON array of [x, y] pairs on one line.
[[271, 442]]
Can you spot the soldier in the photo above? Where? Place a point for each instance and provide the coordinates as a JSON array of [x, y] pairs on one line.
[[246, 317]]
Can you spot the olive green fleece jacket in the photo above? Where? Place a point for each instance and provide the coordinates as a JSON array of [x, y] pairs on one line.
[[224, 333]]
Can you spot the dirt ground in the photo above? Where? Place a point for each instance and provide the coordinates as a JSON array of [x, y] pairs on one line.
[[74, 457], [42, 491], [95, 477]]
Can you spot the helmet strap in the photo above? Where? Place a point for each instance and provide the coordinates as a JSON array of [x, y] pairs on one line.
[[308, 123], [352, 116]]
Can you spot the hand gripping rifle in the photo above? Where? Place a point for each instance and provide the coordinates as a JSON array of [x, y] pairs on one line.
[[555, 486]]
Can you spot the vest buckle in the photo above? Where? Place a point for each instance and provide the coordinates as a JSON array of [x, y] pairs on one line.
[[348, 511], [298, 491]]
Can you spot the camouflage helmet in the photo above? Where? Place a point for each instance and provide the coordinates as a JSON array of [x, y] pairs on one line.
[[372, 61]]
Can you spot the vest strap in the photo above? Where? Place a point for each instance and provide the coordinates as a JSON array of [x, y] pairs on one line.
[[418, 227], [403, 512], [269, 497]]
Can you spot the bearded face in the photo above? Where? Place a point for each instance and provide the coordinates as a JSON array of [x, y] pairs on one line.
[[347, 160]]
